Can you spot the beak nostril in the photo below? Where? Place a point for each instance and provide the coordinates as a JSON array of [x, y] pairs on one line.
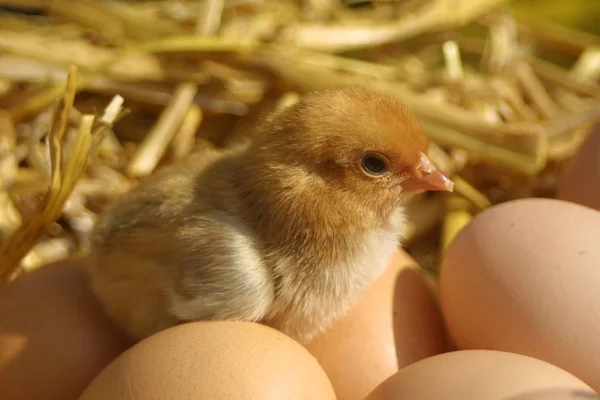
[[425, 165]]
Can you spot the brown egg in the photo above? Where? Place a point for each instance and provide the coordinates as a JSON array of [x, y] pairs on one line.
[[557, 394], [54, 338], [474, 375], [579, 181], [395, 323], [213, 361], [523, 277]]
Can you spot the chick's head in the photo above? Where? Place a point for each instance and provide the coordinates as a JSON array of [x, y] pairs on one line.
[[362, 144]]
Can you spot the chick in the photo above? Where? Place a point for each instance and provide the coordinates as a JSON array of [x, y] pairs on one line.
[[286, 229]]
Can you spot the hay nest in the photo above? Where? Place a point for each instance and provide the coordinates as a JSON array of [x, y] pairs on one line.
[[96, 95]]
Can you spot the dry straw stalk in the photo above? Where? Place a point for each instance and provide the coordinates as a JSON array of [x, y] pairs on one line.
[[505, 100]]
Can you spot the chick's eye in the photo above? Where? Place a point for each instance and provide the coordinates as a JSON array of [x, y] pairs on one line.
[[374, 164]]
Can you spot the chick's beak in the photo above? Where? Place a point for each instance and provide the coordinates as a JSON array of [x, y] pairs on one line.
[[431, 178]]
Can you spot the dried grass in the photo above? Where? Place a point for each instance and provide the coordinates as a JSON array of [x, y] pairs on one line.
[[502, 114]]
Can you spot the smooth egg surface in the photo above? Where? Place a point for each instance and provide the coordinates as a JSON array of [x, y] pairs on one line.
[[557, 394], [54, 336], [523, 276], [579, 181], [474, 375], [213, 361]]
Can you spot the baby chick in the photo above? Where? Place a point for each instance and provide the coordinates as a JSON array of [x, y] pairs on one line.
[[287, 229]]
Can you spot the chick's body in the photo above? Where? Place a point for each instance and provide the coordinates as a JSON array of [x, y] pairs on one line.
[[288, 228]]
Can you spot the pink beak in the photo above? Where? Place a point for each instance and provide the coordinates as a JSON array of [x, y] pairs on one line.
[[432, 178]]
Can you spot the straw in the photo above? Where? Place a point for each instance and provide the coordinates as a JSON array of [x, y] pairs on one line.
[[504, 100]]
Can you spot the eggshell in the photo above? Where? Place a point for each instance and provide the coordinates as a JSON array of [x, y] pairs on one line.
[[395, 323], [557, 394], [579, 181], [523, 277], [54, 337], [474, 375], [213, 360]]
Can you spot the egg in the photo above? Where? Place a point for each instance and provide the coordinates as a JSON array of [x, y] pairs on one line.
[[213, 361], [54, 337], [474, 375], [395, 323], [557, 394], [579, 181], [523, 276]]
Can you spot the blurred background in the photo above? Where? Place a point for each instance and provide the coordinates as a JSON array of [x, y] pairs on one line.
[[583, 14], [506, 90]]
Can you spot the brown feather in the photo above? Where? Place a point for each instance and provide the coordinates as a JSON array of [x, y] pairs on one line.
[[286, 229]]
